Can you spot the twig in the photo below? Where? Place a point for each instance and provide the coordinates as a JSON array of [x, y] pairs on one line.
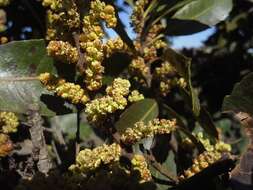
[[16, 79], [40, 152], [81, 58], [58, 158]]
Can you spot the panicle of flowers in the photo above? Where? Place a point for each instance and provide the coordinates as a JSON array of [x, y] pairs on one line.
[[139, 164], [88, 160], [62, 51], [8, 122], [62, 17], [114, 45], [138, 69], [141, 131], [166, 75], [135, 96], [137, 15], [91, 41], [66, 90], [6, 145], [212, 154], [98, 109]]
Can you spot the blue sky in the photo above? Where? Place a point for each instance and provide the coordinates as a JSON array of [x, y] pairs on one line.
[[179, 42]]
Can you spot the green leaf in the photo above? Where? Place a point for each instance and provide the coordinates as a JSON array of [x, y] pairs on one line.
[[241, 96], [144, 110], [183, 66], [208, 12], [20, 61]]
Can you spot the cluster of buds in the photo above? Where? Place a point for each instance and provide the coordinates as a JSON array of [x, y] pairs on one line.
[[69, 91], [141, 131], [140, 165], [99, 108], [138, 69], [114, 45], [135, 96], [212, 154], [166, 75], [91, 41], [88, 160], [138, 15], [8, 124], [62, 17], [62, 51]]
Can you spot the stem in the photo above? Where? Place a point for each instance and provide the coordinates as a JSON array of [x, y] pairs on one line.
[[150, 7]]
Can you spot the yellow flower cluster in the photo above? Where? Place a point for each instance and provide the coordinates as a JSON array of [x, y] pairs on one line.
[[98, 109], [62, 17], [139, 164], [53, 4], [66, 90], [62, 51], [141, 131], [202, 161], [212, 154], [114, 45], [166, 75], [135, 96], [4, 3], [91, 41], [8, 122], [88, 160], [138, 68], [6, 145], [137, 16]]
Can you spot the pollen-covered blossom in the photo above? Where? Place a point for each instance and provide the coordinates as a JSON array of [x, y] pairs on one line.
[[114, 45], [135, 96], [88, 160], [6, 145], [8, 122], [62, 51], [66, 90], [139, 164], [138, 68], [141, 131], [91, 41], [98, 109]]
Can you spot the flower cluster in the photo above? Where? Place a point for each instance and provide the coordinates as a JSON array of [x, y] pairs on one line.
[[141, 131], [6, 145], [114, 45], [88, 160], [91, 41], [139, 164], [8, 124], [138, 69], [62, 51], [99, 108], [166, 75], [138, 14], [212, 154], [135, 96], [66, 90]]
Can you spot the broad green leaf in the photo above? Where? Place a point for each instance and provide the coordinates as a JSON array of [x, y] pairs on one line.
[[241, 98], [208, 12], [20, 61], [144, 110], [183, 66]]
